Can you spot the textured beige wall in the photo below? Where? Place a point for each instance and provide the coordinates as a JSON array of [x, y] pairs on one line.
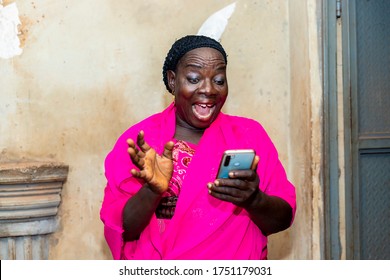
[[89, 69]]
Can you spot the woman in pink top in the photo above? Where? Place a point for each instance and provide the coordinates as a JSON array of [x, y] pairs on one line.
[[163, 200]]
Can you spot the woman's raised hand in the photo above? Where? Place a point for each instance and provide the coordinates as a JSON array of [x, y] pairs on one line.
[[156, 170]]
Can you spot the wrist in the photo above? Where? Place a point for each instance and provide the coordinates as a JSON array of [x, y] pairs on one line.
[[154, 191], [255, 201]]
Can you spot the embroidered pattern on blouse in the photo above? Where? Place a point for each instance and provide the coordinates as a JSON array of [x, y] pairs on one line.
[[182, 155]]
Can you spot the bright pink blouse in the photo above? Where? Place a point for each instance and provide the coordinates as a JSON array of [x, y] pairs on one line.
[[202, 227]]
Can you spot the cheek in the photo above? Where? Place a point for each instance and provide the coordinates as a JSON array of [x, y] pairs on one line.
[[183, 104], [184, 94], [223, 96]]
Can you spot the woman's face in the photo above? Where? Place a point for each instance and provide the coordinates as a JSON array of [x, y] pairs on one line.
[[200, 87]]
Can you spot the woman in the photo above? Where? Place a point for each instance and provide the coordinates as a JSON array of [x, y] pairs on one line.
[[162, 199]]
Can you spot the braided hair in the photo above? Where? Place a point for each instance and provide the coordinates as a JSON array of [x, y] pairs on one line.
[[184, 45]]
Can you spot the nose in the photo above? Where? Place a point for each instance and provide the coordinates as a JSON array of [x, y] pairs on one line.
[[207, 87]]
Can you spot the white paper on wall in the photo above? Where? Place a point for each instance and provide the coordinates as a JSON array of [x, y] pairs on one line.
[[9, 40]]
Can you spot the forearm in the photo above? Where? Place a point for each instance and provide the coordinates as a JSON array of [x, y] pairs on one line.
[[138, 211], [270, 213]]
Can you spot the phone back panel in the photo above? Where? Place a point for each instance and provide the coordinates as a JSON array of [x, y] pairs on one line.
[[235, 160]]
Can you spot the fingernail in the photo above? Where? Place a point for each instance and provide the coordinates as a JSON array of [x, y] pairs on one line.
[[209, 185]]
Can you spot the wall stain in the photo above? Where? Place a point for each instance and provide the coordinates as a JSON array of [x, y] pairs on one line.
[[7, 2], [24, 30]]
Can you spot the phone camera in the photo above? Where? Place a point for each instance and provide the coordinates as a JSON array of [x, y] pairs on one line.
[[227, 161]]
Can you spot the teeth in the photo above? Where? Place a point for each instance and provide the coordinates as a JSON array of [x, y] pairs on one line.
[[203, 111], [206, 105]]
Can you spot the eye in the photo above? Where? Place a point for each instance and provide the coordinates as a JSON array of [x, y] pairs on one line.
[[193, 80], [219, 81]]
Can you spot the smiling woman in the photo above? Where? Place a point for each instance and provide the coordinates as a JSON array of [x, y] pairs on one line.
[[163, 199]]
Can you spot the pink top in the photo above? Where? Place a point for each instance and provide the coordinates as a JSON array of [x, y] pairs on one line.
[[202, 227]]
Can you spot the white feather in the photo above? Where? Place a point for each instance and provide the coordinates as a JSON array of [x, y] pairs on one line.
[[215, 25]]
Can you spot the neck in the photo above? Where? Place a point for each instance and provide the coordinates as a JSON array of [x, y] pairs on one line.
[[187, 133]]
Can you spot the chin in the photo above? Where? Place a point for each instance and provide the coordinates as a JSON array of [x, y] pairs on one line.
[[203, 124]]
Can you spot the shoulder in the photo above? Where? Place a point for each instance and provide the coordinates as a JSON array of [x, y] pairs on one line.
[[146, 124], [151, 121], [247, 131], [117, 160], [242, 120], [243, 123]]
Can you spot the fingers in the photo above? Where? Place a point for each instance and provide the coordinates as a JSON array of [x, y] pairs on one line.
[[138, 152], [141, 142], [220, 187], [137, 173], [168, 150], [230, 185], [136, 156], [135, 153], [131, 143], [247, 175], [237, 192], [227, 194]]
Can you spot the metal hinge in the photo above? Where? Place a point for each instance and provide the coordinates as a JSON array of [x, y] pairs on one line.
[[338, 8]]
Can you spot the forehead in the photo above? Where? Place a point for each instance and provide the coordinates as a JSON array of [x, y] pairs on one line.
[[203, 54]]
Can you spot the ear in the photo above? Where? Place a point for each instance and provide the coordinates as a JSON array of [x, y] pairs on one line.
[[171, 80]]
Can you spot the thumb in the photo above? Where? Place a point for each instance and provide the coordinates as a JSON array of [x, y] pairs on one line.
[[168, 150], [256, 161]]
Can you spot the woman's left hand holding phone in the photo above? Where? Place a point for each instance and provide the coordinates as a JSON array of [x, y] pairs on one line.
[[240, 188]]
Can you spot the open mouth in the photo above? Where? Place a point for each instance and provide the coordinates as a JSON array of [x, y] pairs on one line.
[[203, 111]]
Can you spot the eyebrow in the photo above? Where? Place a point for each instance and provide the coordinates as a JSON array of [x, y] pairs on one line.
[[222, 67], [192, 65]]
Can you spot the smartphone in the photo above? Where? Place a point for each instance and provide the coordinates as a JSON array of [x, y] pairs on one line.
[[235, 160]]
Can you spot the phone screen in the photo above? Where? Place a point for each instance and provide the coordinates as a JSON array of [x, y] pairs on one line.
[[235, 160]]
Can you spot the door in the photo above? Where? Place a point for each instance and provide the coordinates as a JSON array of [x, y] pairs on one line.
[[366, 89]]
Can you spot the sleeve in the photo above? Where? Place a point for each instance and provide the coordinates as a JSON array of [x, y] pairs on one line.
[[273, 177], [278, 185], [110, 214], [114, 201], [120, 187]]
